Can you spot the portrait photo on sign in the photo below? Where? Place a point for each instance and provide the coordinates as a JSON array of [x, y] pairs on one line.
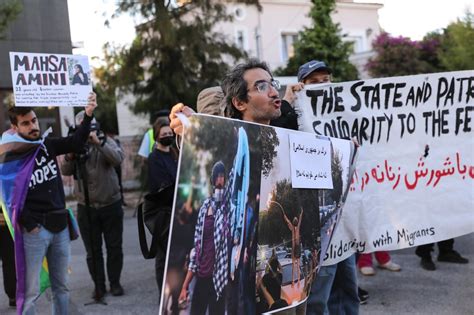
[[79, 72]]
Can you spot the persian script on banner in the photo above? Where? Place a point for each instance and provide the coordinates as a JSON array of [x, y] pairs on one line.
[[50, 79], [251, 243], [414, 181]]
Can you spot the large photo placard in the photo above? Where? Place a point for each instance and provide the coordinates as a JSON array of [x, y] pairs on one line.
[[50, 79], [414, 182], [243, 240]]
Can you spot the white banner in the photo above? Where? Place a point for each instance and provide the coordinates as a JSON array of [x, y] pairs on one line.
[[414, 182], [310, 161], [50, 79]]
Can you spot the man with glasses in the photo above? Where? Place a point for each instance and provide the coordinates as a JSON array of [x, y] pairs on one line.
[[250, 94]]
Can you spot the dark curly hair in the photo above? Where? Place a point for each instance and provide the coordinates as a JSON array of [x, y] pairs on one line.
[[234, 85]]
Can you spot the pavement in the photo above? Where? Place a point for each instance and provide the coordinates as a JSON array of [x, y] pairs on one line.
[[448, 290]]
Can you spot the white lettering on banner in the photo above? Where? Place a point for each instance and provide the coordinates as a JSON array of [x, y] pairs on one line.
[[415, 162]]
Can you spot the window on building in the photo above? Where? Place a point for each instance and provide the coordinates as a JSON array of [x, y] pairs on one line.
[[287, 48], [239, 13], [357, 43], [240, 39]]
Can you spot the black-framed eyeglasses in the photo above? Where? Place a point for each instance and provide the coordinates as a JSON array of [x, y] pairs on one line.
[[264, 86]]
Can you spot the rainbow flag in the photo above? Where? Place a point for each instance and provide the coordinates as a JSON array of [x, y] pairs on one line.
[[17, 160]]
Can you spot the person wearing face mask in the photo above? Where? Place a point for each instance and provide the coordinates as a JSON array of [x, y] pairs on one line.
[[163, 160], [208, 260]]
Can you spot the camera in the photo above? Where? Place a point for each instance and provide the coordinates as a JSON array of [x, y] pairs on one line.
[[95, 126], [83, 155]]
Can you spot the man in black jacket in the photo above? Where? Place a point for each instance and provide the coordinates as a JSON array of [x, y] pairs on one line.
[[44, 218]]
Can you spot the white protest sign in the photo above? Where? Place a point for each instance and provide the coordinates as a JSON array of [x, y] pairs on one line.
[[50, 79], [414, 182], [310, 160]]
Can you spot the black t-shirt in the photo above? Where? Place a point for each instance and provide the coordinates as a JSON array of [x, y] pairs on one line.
[[45, 200]]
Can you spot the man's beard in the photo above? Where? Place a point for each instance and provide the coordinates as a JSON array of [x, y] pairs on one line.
[[30, 136]]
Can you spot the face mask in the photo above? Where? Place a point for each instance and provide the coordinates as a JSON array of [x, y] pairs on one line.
[[218, 195], [166, 141]]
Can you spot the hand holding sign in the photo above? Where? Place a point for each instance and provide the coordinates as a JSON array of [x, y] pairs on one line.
[[291, 90], [91, 104], [175, 123]]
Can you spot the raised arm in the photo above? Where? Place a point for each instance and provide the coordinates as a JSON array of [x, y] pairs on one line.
[[75, 143], [288, 222], [299, 220]]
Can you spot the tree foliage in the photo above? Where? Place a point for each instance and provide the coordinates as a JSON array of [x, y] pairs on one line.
[[106, 89], [322, 41], [397, 56], [336, 172], [457, 44], [9, 10], [176, 52], [219, 142], [450, 49], [272, 227]]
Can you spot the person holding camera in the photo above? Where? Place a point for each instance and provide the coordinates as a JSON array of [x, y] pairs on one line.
[[100, 213]]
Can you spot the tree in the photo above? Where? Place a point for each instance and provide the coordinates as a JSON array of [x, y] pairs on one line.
[[322, 41], [336, 169], [446, 50], [397, 56], [9, 10], [457, 45], [176, 52], [272, 227], [263, 142], [106, 90]]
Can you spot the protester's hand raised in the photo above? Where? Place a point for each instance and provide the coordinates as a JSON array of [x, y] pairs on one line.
[[291, 89], [91, 104], [175, 123]]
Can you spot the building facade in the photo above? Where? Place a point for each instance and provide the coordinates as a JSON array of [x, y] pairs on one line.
[[269, 34]]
